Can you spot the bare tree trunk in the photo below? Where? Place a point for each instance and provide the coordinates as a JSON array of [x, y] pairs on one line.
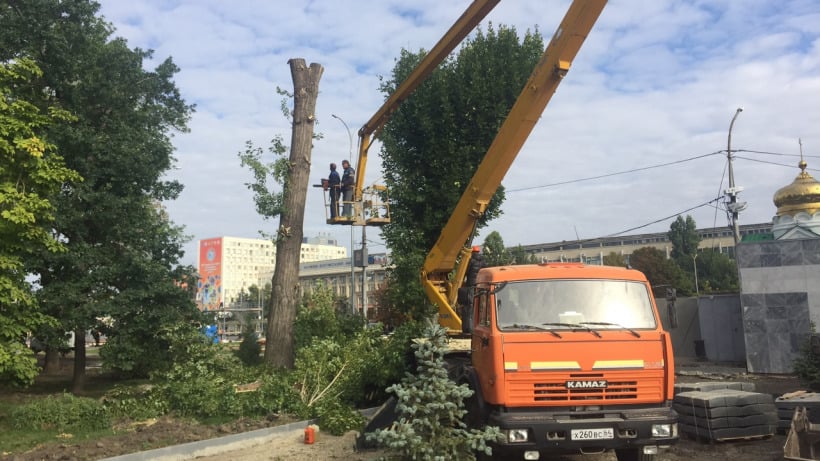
[[78, 381], [285, 283]]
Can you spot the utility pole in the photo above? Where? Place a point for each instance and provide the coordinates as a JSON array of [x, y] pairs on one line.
[[352, 265], [364, 273], [733, 207]]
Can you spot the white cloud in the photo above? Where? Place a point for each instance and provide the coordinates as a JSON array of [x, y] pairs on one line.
[[656, 82]]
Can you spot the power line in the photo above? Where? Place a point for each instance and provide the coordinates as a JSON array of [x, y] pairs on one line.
[[773, 163], [773, 153], [676, 162], [571, 181], [666, 218], [650, 223]]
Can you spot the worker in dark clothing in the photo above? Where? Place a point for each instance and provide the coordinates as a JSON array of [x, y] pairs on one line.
[[465, 293], [348, 180], [476, 263], [333, 184]]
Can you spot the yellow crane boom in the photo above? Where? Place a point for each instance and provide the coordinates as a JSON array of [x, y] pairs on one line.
[[452, 244]]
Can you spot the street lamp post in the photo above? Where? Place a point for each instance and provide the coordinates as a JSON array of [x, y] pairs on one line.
[[734, 207], [352, 263], [695, 264]]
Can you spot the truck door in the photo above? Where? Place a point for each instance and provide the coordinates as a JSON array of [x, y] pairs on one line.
[[482, 341]]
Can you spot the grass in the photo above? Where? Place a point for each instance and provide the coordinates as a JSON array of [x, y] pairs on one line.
[[13, 440]]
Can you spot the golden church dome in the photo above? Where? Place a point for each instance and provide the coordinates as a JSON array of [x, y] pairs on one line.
[[801, 195]]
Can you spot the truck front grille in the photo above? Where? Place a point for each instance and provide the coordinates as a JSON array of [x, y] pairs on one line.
[[557, 391], [547, 388]]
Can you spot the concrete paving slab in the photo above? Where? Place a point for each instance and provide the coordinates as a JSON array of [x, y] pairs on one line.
[[723, 412], [713, 385], [721, 398]]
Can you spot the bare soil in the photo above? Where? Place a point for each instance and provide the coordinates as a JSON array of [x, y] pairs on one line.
[[290, 445]]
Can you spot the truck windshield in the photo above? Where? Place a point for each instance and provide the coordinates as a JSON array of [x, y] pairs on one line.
[[570, 304]]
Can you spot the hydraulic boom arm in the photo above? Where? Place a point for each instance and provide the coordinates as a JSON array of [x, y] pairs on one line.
[[368, 132], [545, 78]]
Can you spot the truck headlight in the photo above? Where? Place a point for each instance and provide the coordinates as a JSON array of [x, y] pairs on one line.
[[664, 430], [517, 435]]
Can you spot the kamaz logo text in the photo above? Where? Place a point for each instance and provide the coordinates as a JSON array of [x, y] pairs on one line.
[[586, 384]]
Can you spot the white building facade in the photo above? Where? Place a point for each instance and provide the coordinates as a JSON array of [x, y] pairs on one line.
[[230, 265]]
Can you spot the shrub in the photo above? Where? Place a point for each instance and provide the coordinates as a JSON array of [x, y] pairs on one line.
[[807, 364], [203, 386], [336, 418], [61, 413], [136, 351], [387, 362], [249, 349], [135, 403], [431, 410], [317, 317], [275, 394]]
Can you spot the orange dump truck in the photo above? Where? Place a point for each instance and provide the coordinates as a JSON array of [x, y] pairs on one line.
[[570, 358]]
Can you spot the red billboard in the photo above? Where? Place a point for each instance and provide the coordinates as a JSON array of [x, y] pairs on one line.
[[209, 289]]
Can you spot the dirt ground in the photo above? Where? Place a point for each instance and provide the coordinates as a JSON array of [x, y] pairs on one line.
[[291, 446]]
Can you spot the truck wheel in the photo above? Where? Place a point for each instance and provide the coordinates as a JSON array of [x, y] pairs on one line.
[[633, 454]]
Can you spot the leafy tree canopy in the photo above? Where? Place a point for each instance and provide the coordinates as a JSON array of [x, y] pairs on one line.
[[660, 271], [495, 253], [122, 250], [614, 259], [520, 256], [717, 272], [30, 172], [683, 233]]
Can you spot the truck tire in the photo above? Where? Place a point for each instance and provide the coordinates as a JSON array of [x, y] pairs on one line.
[[633, 454]]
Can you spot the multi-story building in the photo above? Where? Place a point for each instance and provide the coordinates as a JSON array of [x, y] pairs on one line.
[[228, 266], [592, 251], [337, 275]]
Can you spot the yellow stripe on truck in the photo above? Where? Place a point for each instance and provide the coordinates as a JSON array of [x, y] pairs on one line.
[[617, 364], [543, 366]]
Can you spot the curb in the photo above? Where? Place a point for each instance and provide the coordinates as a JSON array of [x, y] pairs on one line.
[[211, 447]]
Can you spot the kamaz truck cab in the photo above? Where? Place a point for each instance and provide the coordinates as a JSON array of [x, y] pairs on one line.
[[568, 358]]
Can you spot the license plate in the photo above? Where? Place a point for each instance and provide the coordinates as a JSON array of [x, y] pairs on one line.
[[592, 434]]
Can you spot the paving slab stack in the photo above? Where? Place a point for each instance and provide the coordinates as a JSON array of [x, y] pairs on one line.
[[723, 411], [787, 403]]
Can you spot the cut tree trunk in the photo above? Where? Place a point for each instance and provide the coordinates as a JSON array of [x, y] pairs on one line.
[[285, 283]]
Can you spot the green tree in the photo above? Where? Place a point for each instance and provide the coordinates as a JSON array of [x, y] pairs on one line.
[[683, 234], [432, 411], [122, 251], [495, 253], [660, 271], [717, 272], [520, 256], [30, 172], [614, 259], [436, 139]]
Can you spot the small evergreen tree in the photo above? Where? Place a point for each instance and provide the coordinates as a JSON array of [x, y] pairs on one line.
[[249, 349], [431, 410], [807, 364]]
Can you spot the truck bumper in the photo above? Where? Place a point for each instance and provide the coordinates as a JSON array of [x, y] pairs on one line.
[[551, 432]]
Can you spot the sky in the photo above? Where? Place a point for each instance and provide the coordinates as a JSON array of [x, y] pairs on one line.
[[636, 133]]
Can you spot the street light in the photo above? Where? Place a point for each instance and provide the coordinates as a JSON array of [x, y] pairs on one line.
[[734, 207], [695, 264], [352, 266]]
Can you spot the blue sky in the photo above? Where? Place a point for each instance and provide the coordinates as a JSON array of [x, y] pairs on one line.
[[656, 82]]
